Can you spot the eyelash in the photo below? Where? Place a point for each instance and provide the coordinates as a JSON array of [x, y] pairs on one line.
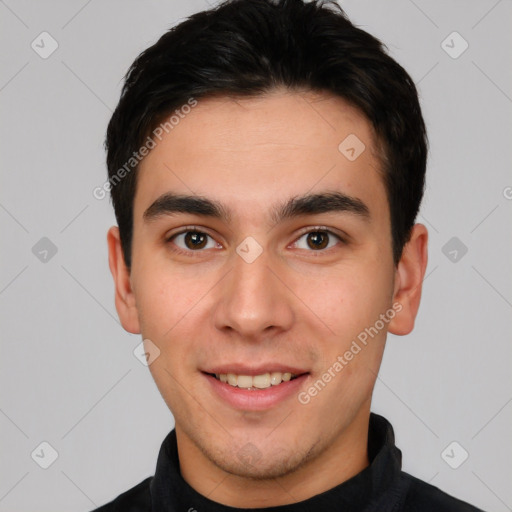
[[196, 229]]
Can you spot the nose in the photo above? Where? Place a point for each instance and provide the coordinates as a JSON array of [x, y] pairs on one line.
[[254, 299]]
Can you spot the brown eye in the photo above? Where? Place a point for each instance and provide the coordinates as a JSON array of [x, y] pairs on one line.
[[317, 240], [193, 241]]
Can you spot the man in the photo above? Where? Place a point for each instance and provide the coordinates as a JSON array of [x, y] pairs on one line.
[[266, 165]]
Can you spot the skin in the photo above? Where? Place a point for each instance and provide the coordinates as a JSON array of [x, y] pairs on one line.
[[294, 304]]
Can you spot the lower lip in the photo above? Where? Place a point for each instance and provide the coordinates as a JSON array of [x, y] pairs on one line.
[[256, 399]]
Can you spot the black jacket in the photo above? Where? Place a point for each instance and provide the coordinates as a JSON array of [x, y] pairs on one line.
[[381, 487]]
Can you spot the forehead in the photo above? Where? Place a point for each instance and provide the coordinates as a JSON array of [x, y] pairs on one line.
[[251, 152]]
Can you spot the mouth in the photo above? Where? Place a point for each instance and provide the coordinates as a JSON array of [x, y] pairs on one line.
[[255, 389], [254, 382]]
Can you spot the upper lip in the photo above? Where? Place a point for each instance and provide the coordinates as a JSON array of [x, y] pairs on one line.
[[242, 369]]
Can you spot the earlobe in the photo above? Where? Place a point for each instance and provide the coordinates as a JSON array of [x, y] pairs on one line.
[[409, 280], [124, 296]]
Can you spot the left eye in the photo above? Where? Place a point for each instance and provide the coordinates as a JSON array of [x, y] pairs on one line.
[[317, 240]]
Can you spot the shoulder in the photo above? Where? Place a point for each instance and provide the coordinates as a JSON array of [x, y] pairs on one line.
[[136, 499], [423, 497]]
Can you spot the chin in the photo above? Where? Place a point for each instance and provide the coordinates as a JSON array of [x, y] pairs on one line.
[[265, 467], [246, 460]]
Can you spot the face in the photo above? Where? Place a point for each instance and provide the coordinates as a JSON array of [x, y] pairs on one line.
[[280, 269]]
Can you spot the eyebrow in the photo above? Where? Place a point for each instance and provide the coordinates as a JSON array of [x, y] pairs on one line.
[[308, 204]]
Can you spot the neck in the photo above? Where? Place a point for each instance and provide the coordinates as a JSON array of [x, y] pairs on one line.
[[344, 458]]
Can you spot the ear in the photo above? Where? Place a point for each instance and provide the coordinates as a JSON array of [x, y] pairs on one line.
[[409, 277], [124, 296]]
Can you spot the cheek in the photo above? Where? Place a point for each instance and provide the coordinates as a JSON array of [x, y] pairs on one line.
[[168, 307], [164, 297], [348, 299]]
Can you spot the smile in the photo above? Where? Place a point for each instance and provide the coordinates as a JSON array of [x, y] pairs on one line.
[[262, 381], [258, 392]]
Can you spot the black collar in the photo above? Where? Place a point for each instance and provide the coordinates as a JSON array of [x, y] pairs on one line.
[[169, 492]]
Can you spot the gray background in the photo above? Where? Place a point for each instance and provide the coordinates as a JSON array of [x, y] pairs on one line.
[[68, 373]]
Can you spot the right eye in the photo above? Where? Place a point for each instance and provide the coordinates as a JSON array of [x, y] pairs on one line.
[[193, 241]]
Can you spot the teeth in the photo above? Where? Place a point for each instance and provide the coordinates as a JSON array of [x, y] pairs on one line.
[[275, 378], [260, 381], [244, 381], [263, 381]]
